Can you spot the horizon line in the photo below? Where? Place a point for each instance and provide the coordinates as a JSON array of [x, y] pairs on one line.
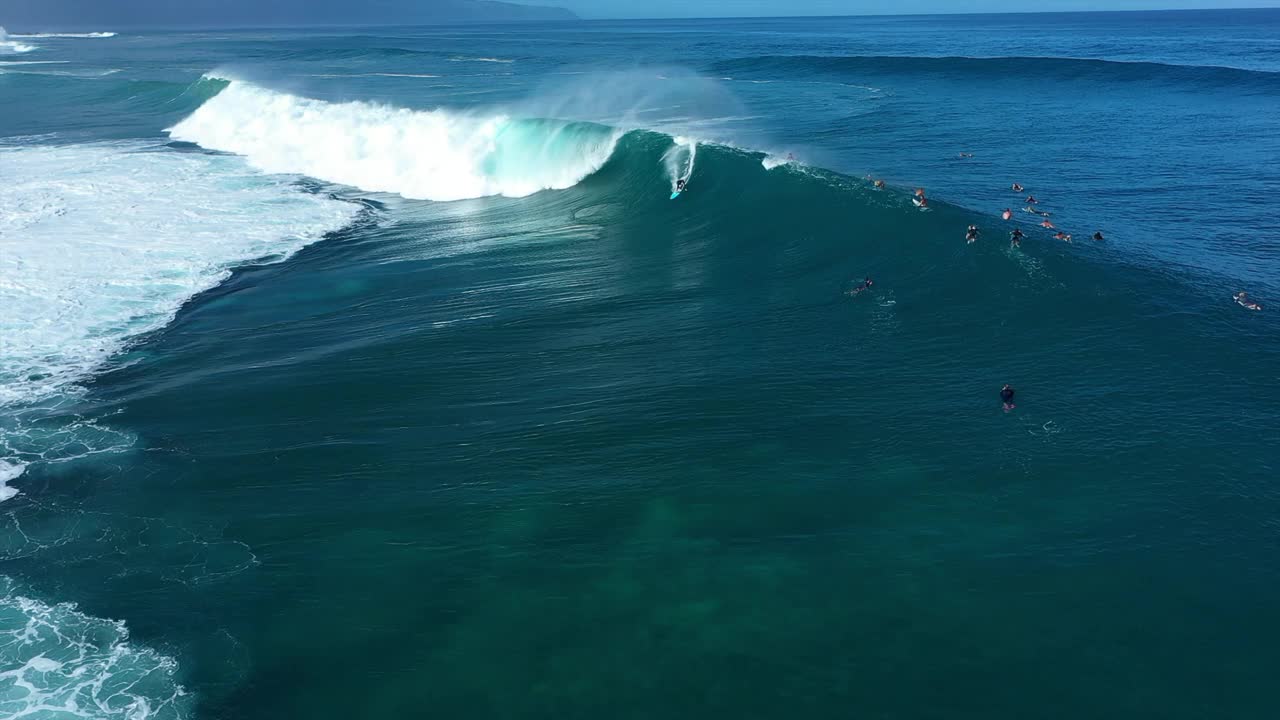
[[926, 14], [579, 19]]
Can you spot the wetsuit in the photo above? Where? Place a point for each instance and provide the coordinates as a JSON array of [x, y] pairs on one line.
[[1006, 395]]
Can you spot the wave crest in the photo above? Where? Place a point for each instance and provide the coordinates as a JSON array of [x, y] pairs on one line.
[[1005, 67], [12, 47], [67, 35], [420, 154]]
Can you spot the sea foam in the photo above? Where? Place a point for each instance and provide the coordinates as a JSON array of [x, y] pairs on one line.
[[56, 662], [11, 47], [419, 154], [102, 243], [88, 35]]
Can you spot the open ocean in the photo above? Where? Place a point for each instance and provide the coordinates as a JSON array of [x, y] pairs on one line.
[[372, 373]]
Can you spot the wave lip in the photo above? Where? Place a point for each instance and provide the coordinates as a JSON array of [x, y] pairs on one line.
[[420, 154]]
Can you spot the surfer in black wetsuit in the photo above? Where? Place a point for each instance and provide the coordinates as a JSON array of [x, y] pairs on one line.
[[1098, 236], [1006, 396], [1015, 238], [864, 285], [972, 234], [680, 185], [1242, 298]]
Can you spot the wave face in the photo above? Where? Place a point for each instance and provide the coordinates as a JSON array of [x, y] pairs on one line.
[[96, 255], [56, 662], [426, 155]]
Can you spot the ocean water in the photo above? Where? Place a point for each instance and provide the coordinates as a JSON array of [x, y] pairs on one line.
[[373, 374]]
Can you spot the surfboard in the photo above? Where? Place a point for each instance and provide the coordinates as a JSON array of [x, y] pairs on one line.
[[675, 195]]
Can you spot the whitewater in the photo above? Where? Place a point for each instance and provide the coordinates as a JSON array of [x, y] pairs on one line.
[[95, 256], [8, 46], [420, 154]]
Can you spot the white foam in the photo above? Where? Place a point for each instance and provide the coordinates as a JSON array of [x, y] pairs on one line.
[[404, 75], [504, 61], [772, 161], [426, 155], [56, 662], [101, 243], [78, 74], [9, 470], [67, 35], [678, 160], [11, 47]]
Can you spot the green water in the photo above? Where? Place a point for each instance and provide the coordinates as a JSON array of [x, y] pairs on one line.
[[594, 453]]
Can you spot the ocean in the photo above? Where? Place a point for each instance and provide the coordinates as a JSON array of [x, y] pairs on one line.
[[373, 373]]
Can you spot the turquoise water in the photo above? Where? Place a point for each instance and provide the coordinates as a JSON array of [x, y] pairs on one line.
[[374, 375]]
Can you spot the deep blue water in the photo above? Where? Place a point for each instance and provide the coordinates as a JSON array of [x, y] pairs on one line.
[[374, 374]]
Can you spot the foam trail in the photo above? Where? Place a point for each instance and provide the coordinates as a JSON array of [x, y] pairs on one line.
[[12, 47], [56, 662], [103, 243], [679, 160], [426, 155]]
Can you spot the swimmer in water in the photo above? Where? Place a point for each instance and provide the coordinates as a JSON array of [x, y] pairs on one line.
[[920, 202], [1031, 200], [1017, 188], [1015, 238], [1006, 397], [1047, 224], [965, 155], [1243, 299], [862, 286], [1062, 236], [971, 235], [1098, 236], [1006, 214], [879, 184]]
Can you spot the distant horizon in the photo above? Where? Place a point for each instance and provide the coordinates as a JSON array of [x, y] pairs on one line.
[[1135, 11], [591, 9], [126, 27]]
